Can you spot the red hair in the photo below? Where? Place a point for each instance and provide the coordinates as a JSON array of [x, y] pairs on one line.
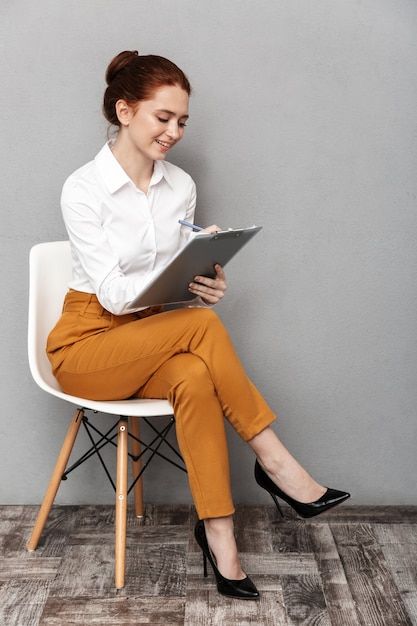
[[133, 78]]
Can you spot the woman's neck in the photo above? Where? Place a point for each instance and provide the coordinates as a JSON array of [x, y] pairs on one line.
[[137, 166]]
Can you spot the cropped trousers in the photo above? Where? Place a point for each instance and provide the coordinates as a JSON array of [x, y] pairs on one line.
[[183, 355]]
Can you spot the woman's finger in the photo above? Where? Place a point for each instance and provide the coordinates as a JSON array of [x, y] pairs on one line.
[[212, 229], [220, 272], [214, 283], [207, 292]]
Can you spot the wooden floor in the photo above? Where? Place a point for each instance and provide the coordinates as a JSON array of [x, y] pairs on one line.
[[349, 566]]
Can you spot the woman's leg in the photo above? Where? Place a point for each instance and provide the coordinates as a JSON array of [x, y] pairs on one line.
[[283, 468], [185, 381], [116, 363]]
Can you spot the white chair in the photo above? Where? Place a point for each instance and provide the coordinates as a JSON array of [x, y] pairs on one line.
[[50, 272]]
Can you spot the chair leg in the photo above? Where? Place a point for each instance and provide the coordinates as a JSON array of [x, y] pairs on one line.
[[55, 481], [136, 466], [121, 504]]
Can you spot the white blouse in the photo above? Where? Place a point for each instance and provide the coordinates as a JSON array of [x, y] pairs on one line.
[[120, 236]]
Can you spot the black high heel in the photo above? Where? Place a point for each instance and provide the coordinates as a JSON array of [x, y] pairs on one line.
[[243, 589], [330, 498]]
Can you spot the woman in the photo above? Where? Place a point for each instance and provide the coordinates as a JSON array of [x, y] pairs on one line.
[[121, 211]]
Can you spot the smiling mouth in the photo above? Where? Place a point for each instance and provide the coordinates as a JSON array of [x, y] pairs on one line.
[[163, 144]]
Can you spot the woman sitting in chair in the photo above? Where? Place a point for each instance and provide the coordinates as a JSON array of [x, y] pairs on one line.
[[121, 211]]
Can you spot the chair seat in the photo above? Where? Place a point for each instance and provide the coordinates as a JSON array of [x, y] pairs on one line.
[[136, 407]]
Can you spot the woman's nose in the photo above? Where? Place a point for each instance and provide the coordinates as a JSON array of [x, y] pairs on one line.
[[173, 130]]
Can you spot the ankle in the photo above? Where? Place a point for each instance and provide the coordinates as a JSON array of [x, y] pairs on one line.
[[271, 465], [219, 525]]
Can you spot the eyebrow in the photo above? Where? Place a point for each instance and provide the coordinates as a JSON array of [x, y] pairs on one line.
[[172, 113]]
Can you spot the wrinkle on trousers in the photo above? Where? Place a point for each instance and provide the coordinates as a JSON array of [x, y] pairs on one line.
[[184, 355]]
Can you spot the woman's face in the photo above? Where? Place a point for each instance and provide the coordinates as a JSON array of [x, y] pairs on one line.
[[157, 124]]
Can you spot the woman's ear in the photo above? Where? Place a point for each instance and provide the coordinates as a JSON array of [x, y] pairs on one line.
[[124, 112]]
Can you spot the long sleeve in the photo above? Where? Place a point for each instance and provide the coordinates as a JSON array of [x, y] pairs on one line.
[[94, 253]]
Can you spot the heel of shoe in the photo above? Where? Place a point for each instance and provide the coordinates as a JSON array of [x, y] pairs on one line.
[[205, 565], [275, 499]]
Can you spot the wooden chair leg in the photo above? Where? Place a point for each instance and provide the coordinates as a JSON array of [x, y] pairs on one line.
[[121, 504], [55, 481], [136, 466]]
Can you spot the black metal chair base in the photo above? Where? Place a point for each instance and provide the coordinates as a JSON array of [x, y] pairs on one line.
[[108, 438]]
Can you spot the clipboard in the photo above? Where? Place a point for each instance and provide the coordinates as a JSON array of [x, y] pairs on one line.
[[196, 258]]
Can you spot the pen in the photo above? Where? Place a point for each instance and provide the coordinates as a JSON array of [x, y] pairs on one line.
[[193, 226]]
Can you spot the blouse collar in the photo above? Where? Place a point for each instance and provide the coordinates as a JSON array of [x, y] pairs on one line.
[[115, 176]]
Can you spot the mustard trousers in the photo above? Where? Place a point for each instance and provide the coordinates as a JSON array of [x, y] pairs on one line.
[[183, 355]]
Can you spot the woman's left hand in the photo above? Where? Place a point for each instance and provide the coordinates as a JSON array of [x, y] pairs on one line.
[[211, 290]]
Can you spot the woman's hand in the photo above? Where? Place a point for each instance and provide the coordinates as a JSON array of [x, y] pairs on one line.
[[211, 290], [211, 229]]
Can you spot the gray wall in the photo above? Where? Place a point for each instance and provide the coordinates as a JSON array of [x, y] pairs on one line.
[[302, 120]]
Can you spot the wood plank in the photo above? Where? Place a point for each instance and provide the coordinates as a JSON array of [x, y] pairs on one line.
[[86, 571], [304, 601], [265, 569], [377, 598], [209, 608], [292, 537], [22, 602], [61, 523], [151, 570], [28, 568], [286, 564], [399, 546], [401, 560], [19, 512], [340, 604], [348, 514], [156, 570], [395, 533], [116, 611], [15, 531], [168, 514], [142, 534], [252, 529], [6, 530], [197, 608], [267, 580], [367, 514]]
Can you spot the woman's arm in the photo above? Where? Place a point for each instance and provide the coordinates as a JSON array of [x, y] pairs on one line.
[[99, 262]]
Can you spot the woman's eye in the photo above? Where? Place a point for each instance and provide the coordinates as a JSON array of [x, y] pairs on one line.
[[161, 119]]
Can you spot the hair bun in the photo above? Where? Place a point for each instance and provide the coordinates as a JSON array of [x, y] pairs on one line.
[[119, 62]]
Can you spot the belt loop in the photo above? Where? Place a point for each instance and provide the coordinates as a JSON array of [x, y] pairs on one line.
[[87, 302]]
